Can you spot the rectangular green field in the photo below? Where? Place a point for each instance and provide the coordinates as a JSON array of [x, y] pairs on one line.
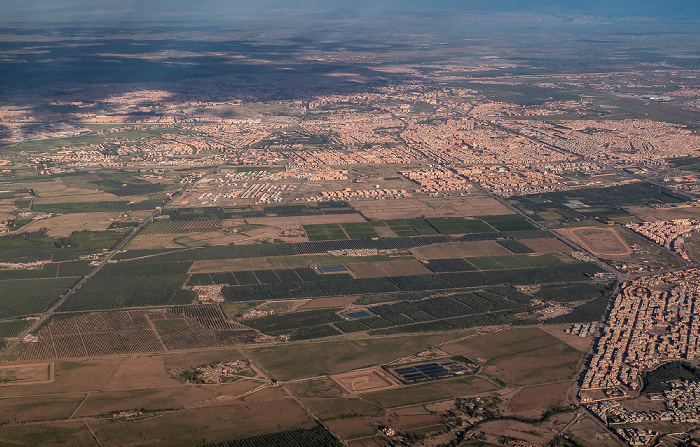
[[267, 277], [422, 227], [510, 262], [476, 226], [485, 263], [359, 230], [324, 232], [448, 225], [31, 296], [402, 228], [246, 278]]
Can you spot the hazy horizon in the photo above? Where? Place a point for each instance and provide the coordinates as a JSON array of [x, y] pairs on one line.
[[222, 11]]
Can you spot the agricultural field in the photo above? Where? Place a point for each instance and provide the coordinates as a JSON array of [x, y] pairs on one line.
[[129, 332], [597, 205], [506, 270], [164, 227], [415, 227]]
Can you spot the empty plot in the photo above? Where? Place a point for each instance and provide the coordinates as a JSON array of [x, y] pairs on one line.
[[388, 268], [546, 245], [460, 250], [403, 268], [522, 356], [26, 374], [601, 241], [539, 397]]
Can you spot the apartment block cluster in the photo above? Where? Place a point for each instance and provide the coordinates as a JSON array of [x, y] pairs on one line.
[[333, 157], [313, 174], [583, 330], [669, 233], [653, 319], [503, 181], [436, 179], [261, 192], [359, 128], [629, 141], [377, 193]]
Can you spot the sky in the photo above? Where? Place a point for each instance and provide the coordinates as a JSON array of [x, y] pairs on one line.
[[140, 10]]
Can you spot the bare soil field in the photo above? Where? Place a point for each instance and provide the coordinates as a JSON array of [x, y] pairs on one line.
[[39, 408], [580, 343], [469, 206], [107, 373], [153, 241], [546, 245], [59, 192], [232, 420], [537, 435], [588, 432], [298, 360], [522, 356], [65, 225], [388, 268], [460, 250], [411, 418], [154, 399], [401, 268], [188, 240], [601, 241], [72, 433], [364, 381], [392, 208], [431, 391], [651, 214], [331, 302], [26, 374], [188, 359], [321, 387], [366, 270], [538, 398], [450, 207], [341, 407], [351, 428], [368, 442]]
